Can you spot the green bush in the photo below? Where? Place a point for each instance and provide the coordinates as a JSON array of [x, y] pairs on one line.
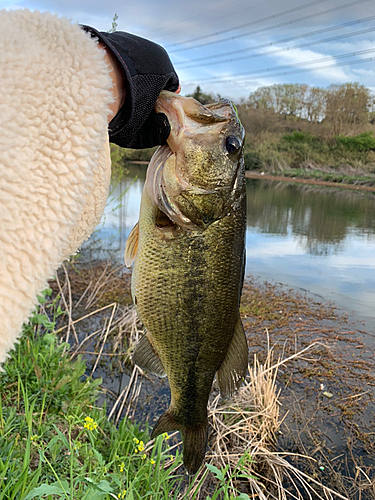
[[361, 142]]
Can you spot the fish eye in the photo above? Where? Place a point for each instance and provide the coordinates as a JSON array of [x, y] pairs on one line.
[[232, 144]]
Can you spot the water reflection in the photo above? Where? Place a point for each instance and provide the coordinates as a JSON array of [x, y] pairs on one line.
[[320, 239], [320, 218], [120, 215]]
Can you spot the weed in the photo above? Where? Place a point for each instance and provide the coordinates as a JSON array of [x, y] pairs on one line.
[[56, 443]]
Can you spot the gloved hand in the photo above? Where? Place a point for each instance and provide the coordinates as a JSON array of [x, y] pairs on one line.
[[148, 70]]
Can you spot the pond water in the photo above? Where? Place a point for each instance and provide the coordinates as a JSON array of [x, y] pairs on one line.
[[311, 238]]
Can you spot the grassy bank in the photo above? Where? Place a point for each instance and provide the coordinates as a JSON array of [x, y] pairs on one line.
[[54, 440], [340, 159], [274, 439], [121, 156]]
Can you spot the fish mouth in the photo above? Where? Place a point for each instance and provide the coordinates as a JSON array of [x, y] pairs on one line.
[[168, 181], [185, 114]]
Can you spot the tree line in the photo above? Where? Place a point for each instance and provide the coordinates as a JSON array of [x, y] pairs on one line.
[[345, 109]]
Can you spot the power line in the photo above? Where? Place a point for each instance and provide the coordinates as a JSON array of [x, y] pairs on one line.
[[280, 25], [193, 17], [301, 70], [276, 70], [283, 49], [313, 61], [245, 25], [269, 44], [203, 13]]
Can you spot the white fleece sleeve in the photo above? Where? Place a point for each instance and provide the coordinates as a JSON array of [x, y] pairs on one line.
[[54, 154]]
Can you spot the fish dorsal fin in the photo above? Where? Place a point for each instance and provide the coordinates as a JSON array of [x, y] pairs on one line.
[[233, 369], [146, 357], [131, 246]]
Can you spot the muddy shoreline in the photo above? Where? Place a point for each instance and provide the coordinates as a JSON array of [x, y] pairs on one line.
[[300, 180]]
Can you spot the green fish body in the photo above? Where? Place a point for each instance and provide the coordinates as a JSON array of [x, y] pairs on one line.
[[189, 251]]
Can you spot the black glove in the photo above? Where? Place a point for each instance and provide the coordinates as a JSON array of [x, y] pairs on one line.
[[148, 70]]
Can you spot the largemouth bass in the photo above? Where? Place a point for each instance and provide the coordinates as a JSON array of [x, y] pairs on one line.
[[189, 250]]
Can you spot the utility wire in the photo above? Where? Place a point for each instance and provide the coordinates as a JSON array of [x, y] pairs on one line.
[[269, 44], [280, 25], [245, 25], [283, 49], [269, 71], [202, 14], [300, 69]]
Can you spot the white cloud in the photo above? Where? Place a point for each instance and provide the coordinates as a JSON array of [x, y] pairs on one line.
[[301, 56]]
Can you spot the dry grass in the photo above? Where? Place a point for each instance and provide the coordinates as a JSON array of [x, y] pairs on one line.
[[243, 441], [267, 454]]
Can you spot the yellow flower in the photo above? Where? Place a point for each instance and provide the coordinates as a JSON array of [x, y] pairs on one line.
[[136, 440], [77, 445], [122, 494], [165, 435], [122, 467], [90, 424], [141, 446], [152, 461], [171, 457], [144, 456]]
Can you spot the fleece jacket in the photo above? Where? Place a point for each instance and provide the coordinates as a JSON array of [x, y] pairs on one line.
[[54, 154]]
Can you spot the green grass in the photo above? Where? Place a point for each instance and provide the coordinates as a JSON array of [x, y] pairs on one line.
[[55, 443], [353, 157]]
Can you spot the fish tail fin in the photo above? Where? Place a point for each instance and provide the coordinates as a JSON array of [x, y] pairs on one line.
[[195, 442], [194, 438]]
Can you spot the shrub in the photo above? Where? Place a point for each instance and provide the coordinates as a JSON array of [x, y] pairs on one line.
[[361, 142], [297, 136]]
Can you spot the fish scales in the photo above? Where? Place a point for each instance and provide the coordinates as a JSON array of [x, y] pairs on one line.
[[186, 286], [169, 279]]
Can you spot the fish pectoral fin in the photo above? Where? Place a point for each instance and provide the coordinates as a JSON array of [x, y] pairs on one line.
[[194, 438], [131, 246], [146, 357], [233, 369]]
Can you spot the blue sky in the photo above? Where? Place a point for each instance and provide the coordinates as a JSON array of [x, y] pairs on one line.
[[266, 41]]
